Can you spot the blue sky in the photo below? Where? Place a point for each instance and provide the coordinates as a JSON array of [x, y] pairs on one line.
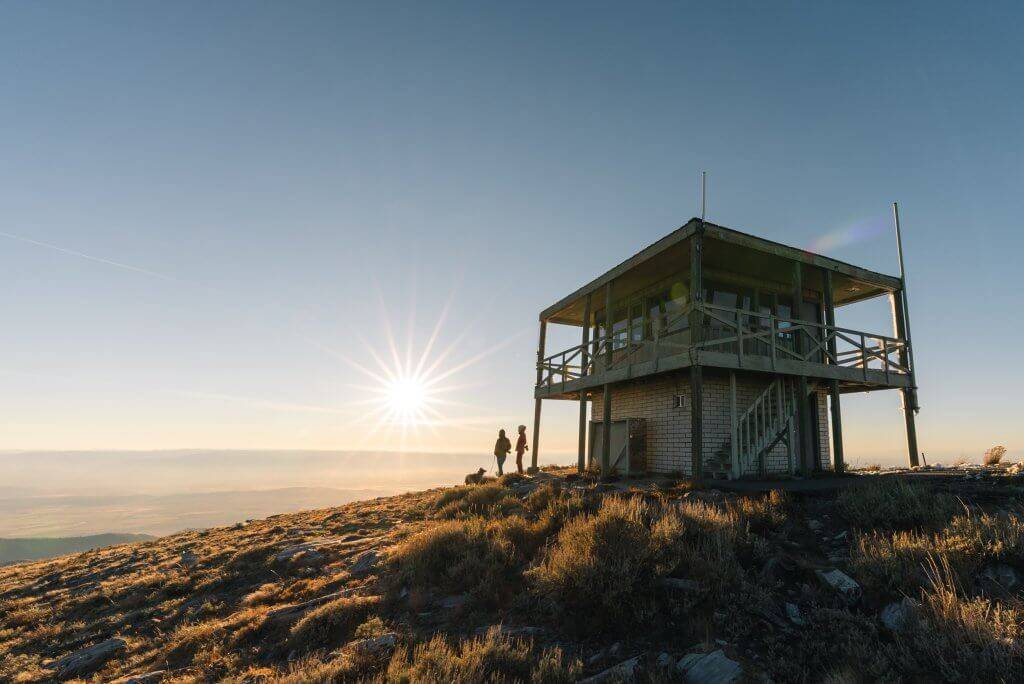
[[257, 182]]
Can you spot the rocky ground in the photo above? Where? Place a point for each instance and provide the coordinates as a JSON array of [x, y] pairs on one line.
[[556, 577]]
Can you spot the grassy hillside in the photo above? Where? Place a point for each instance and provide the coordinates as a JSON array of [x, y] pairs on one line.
[[12, 550], [550, 579]]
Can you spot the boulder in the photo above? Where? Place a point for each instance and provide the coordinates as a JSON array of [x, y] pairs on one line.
[[710, 668], [841, 583], [665, 662], [625, 671], [680, 584], [899, 615], [364, 564], [1002, 575], [145, 678], [375, 645], [297, 610], [89, 659], [452, 602], [794, 615]]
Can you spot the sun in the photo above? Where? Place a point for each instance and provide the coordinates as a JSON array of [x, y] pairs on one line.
[[407, 397]]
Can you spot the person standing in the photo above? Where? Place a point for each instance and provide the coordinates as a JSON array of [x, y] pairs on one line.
[[520, 448], [501, 449]]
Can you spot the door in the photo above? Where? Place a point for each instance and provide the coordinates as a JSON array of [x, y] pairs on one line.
[[619, 453]]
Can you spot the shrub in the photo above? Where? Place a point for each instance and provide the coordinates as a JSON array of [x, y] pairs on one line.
[[332, 623], [487, 500], [899, 561], [494, 657], [994, 455], [454, 555], [893, 503], [963, 639], [601, 567]]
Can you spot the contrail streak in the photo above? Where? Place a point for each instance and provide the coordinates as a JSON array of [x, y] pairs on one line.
[[100, 260]]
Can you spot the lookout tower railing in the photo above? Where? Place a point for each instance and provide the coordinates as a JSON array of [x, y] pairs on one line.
[[735, 332]]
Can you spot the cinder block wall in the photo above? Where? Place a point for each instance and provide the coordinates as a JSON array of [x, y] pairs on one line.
[[668, 428]]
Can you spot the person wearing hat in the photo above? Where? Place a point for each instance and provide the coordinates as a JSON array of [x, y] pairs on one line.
[[520, 448]]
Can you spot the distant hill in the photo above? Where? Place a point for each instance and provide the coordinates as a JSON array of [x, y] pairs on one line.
[[14, 550]]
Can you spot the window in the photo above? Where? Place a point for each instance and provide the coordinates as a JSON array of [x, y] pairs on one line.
[[679, 401]]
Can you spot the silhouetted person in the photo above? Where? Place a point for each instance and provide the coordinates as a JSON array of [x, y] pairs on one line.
[[520, 448], [501, 449]]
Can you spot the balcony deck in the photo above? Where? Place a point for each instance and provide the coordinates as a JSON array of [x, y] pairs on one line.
[[733, 339]]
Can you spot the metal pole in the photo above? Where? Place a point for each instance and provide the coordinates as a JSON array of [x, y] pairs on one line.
[[703, 194], [906, 303]]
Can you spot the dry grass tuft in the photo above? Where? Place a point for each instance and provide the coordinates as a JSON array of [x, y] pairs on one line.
[[994, 455], [487, 500], [494, 657], [601, 569], [893, 503], [899, 561], [332, 624], [963, 639]]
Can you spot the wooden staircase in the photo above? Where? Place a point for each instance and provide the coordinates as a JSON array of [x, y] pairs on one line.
[[768, 421]]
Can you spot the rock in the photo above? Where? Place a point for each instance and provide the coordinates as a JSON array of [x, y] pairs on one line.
[[188, 559], [794, 615], [665, 662], [147, 678], [1003, 575], [814, 524], [295, 611], [688, 661], [841, 583], [305, 552], [364, 564], [899, 615], [840, 537], [615, 649], [679, 584], [625, 671], [89, 659], [375, 645], [710, 668], [453, 602]]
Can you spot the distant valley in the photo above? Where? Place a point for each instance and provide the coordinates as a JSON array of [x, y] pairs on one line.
[[16, 550], [80, 515]]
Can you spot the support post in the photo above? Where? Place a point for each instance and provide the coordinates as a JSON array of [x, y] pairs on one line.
[[908, 396], [838, 464], [536, 405], [733, 431], [581, 463], [802, 412], [901, 321], [606, 425], [696, 337]]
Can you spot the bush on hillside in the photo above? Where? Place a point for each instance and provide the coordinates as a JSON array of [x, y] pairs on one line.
[[994, 455], [891, 502], [494, 657], [331, 624], [899, 561]]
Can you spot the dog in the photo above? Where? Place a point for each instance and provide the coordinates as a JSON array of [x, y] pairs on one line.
[[476, 478]]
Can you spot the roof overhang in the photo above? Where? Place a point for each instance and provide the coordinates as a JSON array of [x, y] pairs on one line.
[[856, 283]]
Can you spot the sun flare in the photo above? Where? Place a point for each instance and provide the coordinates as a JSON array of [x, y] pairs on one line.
[[407, 397]]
